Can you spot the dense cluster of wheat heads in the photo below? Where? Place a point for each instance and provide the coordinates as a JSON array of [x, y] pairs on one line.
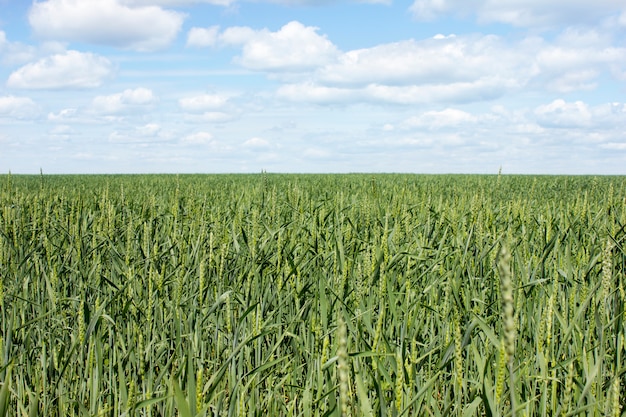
[[312, 295]]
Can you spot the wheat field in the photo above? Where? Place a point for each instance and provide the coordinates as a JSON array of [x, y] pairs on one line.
[[312, 295]]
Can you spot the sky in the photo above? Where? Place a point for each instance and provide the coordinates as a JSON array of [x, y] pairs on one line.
[[216, 86]]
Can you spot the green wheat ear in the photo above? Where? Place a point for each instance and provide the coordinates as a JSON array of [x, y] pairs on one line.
[[615, 394], [506, 288], [508, 315], [343, 367], [607, 277]]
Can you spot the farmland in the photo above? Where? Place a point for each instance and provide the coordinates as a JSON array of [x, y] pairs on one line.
[[312, 295]]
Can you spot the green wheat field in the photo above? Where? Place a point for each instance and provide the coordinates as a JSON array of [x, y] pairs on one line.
[[312, 295]]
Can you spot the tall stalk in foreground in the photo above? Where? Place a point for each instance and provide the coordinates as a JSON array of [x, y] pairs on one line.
[[508, 317]]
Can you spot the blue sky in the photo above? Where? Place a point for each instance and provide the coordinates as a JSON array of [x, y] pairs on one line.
[[429, 86]]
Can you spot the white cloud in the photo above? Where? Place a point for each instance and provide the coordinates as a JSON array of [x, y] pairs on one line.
[[574, 81], [14, 52], [18, 107], [128, 100], [575, 60], [198, 138], [294, 47], [524, 13], [616, 146], [203, 103], [401, 62], [63, 116], [560, 130], [175, 2], [207, 108], [148, 133], [444, 68], [440, 119], [548, 13], [105, 22], [458, 135], [430, 61], [460, 69], [17, 53], [71, 69], [256, 143], [237, 35], [611, 113], [562, 114], [314, 93], [459, 92], [203, 37], [151, 129], [210, 117], [429, 9], [62, 131]]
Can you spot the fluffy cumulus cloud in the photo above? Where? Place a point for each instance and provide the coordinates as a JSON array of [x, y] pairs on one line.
[[443, 68], [18, 53], [130, 100], [578, 114], [208, 108], [71, 69], [524, 13], [12, 52], [203, 37], [294, 47], [12, 107], [460, 69], [106, 22], [562, 114], [575, 60]]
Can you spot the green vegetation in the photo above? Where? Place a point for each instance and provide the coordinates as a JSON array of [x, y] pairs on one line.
[[312, 295]]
